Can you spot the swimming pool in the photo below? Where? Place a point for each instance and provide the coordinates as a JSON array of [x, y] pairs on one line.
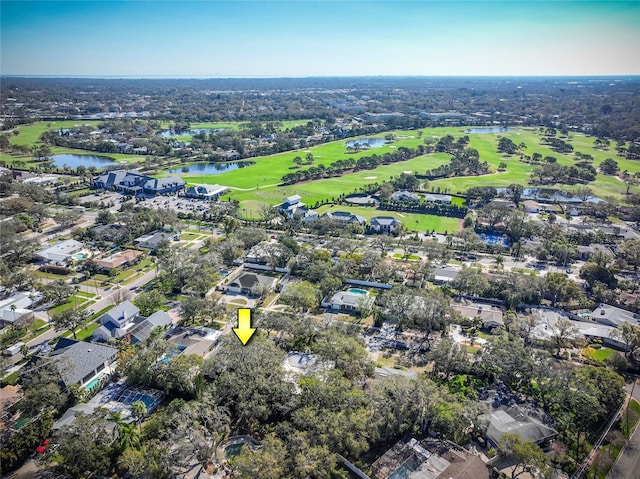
[[357, 291], [492, 239], [94, 382], [79, 256]]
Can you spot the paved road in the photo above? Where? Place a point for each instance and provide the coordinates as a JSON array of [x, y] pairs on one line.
[[628, 464]]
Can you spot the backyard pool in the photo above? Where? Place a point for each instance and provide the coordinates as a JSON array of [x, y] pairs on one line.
[[357, 291], [94, 382], [491, 239]]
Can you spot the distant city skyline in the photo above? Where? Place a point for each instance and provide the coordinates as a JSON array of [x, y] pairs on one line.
[[209, 39]]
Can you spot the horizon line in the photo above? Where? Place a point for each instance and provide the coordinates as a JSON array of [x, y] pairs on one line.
[[258, 77]]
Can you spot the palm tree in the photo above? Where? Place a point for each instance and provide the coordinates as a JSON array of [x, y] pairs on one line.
[[139, 411]]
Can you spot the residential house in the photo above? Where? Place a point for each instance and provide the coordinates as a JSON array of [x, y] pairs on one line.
[[118, 259], [206, 192], [384, 224], [350, 301], [198, 340], [258, 253], [436, 198], [444, 275], [111, 233], [154, 239], [80, 362], [249, 283], [429, 458], [404, 195], [142, 329], [344, 217], [614, 316], [490, 315], [17, 306], [60, 253], [526, 421], [117, 322], [585, 252], [290, 205]]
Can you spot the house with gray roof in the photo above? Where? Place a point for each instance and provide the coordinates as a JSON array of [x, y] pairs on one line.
[[160, 186], [248, 283], [614, 316], [142, 330], [154, 239], [79, 361], [134, 183], [404, 195], [503, 419], [351, 301], [344, 217], [444, 275], [384, 224]]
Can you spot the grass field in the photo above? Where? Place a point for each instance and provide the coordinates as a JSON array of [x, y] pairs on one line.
[[257, 184], [412, 221]]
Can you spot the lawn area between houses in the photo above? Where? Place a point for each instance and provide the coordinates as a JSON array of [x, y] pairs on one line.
[[412, 221]]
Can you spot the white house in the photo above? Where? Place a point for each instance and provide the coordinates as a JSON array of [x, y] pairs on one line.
[[206, 192], [117, 322], [292, 206], [351, 301], [436, 198], [60, 253], [17, 306]]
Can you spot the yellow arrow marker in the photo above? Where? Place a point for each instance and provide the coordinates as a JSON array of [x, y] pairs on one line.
[[244, 331]]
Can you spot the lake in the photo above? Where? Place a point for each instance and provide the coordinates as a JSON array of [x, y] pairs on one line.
[[211, 168], [370, 142], [490, 129], [74, 161]]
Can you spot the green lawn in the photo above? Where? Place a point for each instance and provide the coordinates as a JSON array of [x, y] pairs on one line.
[[85, 294], [598, 354], [257, 185], [189, 236], [412, 257], [413, 221]]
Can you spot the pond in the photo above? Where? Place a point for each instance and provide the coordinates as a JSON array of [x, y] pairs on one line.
[[367, 142], [74, 161], [192, 132], [211, 168], [489, 129]]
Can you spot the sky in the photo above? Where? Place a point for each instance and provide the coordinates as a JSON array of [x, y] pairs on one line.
[[318, 38]]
